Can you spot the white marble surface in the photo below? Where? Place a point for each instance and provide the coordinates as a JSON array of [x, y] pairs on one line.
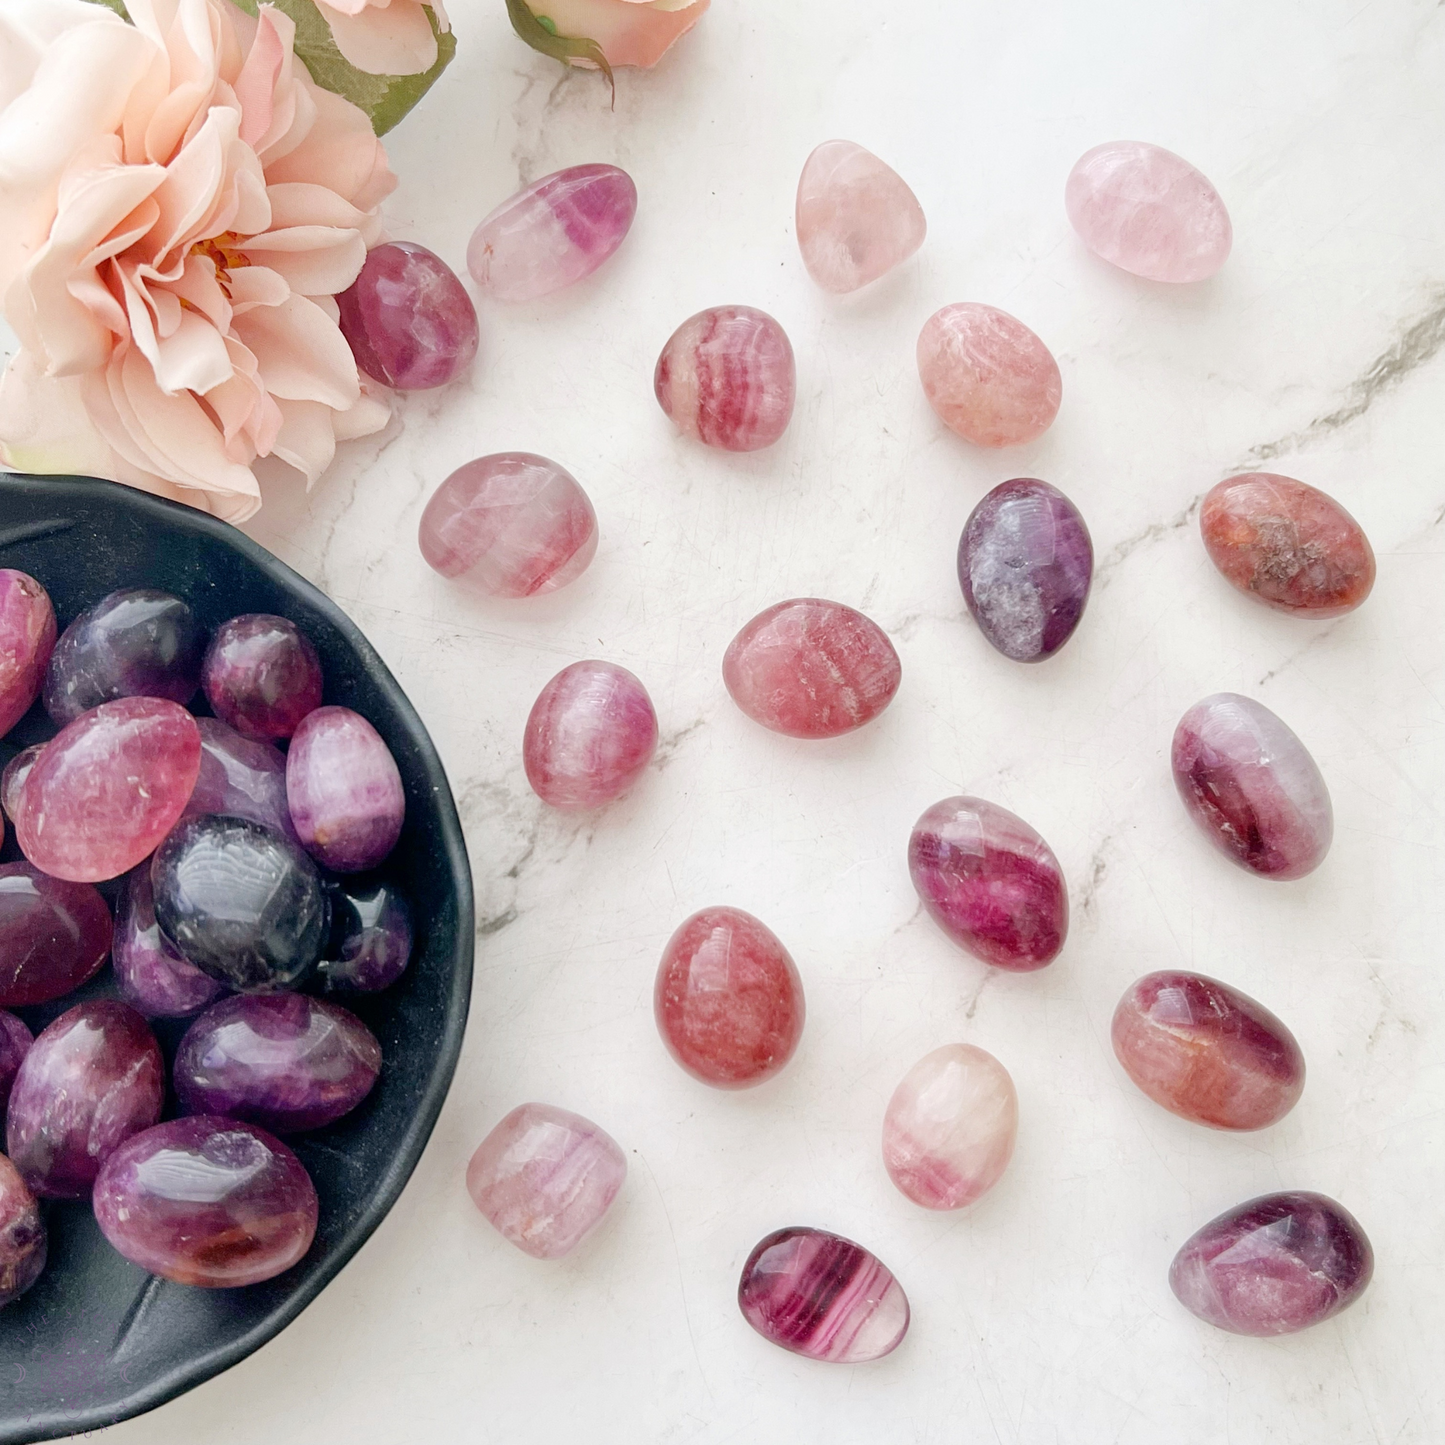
[[1041, 1315]]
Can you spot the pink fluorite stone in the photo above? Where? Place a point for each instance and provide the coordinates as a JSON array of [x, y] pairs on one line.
[[950, 1127], [261, 675], [1148, 211], [545, 1177], [810, 668], [987, 375], [856, 217], [726, 377], [589, 736], [554, 232], [27, 638], [512, 525], [22, 1235], [12, 780], [54, 935]]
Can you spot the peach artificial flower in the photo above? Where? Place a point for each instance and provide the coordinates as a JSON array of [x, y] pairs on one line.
[[181, 205], [384, 37], [629, 32]]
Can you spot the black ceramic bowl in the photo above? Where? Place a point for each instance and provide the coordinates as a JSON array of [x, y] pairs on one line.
[[97, 1339]]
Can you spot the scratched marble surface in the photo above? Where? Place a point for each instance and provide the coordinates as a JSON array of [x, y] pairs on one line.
[[1042, 1314]]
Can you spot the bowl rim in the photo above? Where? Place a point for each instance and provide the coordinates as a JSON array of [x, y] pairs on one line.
[[196, 1370]]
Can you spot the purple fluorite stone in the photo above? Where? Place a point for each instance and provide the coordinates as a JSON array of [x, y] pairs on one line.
[[240, 777], [15, 1041], [261, 675], [1274, 1265], [153, 976], [13, 778], [408, 319], [1025, 562], [53, 935], [22, 1235], [27, 638], [207, 1201], [371, 937]]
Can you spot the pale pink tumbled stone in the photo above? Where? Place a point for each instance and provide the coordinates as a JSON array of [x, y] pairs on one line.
[[1148, 211], [856, 217], [950, 1127], [512, 524], [545, 1177], [987, 375]]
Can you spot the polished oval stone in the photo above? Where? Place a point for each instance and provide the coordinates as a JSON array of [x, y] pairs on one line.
[[90, 1080], [371, 936], [1273, 1265], [1251, 786], [1025, 562], [726, 377], [15, 1041], [107, 788], [12, 780], [822, 1296], [53, 935], [245, 905], [409, 321], [207, 1201], [810, 668], [511, 525], [987, 375], [27, 638], [1148, 211], [22, 1235], [243, 777], [856, 217], [553, 233], [261, 675], [285, 1061], [153, 976], [1207, 1052], [728, 999], [589, 737], [544, 1178], [1287, 545], [990, 882], [343, 790], [136, 642], [950, 1127]]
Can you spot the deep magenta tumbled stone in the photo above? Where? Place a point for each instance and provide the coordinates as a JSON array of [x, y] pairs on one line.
[[261, 675], [27, 638], [409, 321], [91, 1079], [371, 936], [241, 777], [15, 1041], [54, 935], [154, 977], [1025, 562], [23, 1239], [1274, 1265], [990, 882], [207, 1201]]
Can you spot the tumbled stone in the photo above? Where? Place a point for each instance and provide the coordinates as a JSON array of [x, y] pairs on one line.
[[990, 882], [15, 1041], [409, 321], [107, 788], [822, 1296], [589, 737], [90, 1080], [153, 976], [726, 377], [1025, 562], [544, 1178], [1148, 211], [1207, 1052], [22, 1235], [261, 675], [553, 233], [1273, 1265], [1251, 787], [12, 780], [987, 375], [512, 525], [728, 999], [27, 638], [243, 777], [207, 1201], [371, 936], [54, 935], [1287, 545], [950, 1127], [810, 668], [856, 217]]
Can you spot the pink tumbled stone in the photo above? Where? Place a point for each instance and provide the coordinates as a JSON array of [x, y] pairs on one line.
[[512, 525], [950, 1127], [554, 232], [810, 668], [27, 638], [589, 736], [23, 1239], [108, 787], [726, 377], [544, 1178], [54, 934], [856, 217], [987, 375], [1148, 211], [12, 780]]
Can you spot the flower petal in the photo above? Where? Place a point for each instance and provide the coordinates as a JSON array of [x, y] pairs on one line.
[[629, 33], [314, 260], [396, 40], [301, 353]]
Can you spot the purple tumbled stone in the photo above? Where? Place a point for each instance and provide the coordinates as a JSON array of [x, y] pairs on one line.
[[91, 1079], [15, 1041], [27, 638], [22, 1235], [261, 675], [207, 1201], [408, 319], [1025, 562], [53, 935], [371, 937], [1273, 1265], [240, 777], [154, 977], [12, 780]]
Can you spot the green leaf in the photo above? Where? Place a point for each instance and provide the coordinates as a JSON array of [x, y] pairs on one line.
[[540, 32], [117, 5]]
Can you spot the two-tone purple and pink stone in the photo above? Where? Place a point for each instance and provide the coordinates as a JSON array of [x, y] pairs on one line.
[[261, 675], [27, 638]]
